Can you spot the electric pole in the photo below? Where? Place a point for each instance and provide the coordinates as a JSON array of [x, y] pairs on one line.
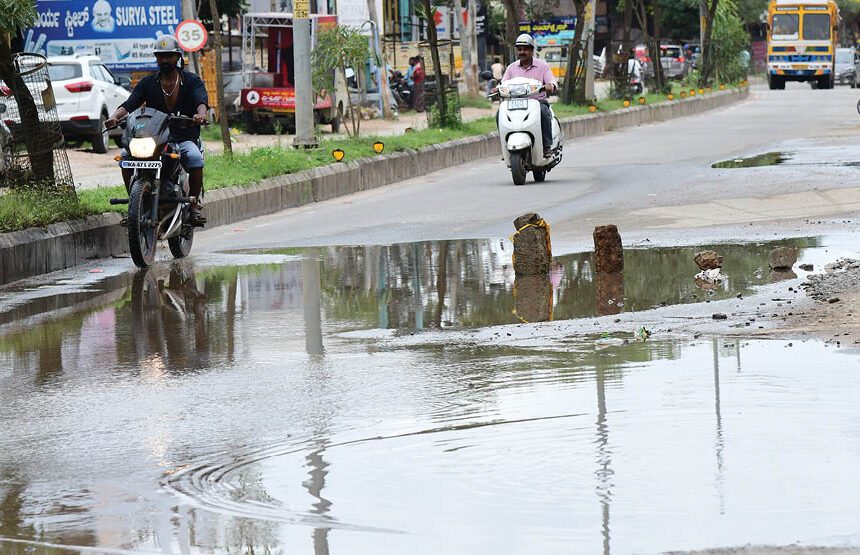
[[305, 136]]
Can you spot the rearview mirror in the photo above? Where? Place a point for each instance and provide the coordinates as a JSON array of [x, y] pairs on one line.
[[122, 81], [486, 75]]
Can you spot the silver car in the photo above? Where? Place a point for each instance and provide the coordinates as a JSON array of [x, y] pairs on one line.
[[675, 64], [847, 66]]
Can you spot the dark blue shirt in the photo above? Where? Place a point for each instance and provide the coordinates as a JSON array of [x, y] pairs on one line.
[[192, 93]]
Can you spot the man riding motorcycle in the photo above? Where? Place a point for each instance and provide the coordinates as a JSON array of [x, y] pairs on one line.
[[535, 68], [173, 90]]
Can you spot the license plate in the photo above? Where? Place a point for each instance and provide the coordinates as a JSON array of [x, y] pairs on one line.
[[518, 104], [801, 66], [140, 164]]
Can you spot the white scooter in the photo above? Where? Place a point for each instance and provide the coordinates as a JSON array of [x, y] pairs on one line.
[[520, 129]]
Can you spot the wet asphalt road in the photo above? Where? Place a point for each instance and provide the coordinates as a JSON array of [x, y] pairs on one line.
[[243, 403], [652, 181]]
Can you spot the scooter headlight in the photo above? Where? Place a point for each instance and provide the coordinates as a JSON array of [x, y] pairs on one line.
[[142, 148], [520, 90], [505, 90]]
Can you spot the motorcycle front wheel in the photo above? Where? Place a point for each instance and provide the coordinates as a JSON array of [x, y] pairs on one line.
[[141, 230], [518, 167]]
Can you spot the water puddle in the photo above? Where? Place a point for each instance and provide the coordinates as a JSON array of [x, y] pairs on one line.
[[767, 159], [443, 450], [800, 154]]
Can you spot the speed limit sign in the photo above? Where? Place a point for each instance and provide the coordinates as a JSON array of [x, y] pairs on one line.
[[191, 35]]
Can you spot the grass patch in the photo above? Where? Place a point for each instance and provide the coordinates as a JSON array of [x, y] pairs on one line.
[[20, 210], [475, 102]]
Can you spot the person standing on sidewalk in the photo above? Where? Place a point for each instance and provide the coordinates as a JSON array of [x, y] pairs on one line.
[[418, 90]]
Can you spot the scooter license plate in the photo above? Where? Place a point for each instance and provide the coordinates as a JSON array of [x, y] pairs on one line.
[[140, 164], [518, 104]]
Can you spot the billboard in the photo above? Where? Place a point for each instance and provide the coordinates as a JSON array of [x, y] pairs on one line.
[[121, 32], [550, 32]]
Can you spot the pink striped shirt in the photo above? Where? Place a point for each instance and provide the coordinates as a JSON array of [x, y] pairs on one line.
[[538, 70]]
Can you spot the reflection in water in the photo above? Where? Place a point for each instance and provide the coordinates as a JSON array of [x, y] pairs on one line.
[[610, 293], [533, 298], [311, 301], [604, 456]]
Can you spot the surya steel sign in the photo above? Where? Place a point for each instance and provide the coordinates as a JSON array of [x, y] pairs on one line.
[[121, 32]]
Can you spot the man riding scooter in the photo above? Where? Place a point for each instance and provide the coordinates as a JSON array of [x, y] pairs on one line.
[[534, 68], [173, 90]]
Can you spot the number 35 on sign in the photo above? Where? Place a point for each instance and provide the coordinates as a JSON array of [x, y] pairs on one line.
[[191, 35]]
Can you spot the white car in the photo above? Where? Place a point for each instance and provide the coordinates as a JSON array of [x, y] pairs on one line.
[[87, 93]]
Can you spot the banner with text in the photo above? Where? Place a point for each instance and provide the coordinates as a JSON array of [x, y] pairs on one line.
[[555, 31], [121, 32]]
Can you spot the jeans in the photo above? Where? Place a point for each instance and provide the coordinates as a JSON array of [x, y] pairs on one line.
[[546, 124], [192, 157]]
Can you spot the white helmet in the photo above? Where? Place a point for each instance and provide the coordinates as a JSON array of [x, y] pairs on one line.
[[525, 40]]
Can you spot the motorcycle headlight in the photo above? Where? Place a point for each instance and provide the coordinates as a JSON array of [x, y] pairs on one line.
[[142, 148]]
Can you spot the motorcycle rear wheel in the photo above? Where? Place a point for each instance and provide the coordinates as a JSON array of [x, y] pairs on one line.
[[142, 239], [518, 168], [180, 245]]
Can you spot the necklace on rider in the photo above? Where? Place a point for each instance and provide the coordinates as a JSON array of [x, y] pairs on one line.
[[175, 86]]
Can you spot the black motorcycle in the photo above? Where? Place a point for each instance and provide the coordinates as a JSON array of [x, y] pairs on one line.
[[401, 89], [158, 203]]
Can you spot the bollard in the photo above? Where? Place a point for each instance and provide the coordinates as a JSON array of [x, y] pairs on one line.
[[609, 289], [708, 260], [608, 252], [532, 246], [533, 298], [782, 258]]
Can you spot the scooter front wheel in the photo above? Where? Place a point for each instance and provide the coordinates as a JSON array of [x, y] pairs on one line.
[[518, 168]]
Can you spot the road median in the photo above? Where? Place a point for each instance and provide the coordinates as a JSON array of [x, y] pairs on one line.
[[63, 245]]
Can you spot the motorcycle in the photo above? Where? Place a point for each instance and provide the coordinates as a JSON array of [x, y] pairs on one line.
[[401, 89], [519, 120], [159, 207]]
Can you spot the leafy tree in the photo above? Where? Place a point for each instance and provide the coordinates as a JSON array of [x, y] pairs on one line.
[[338, 48], [18, 14], [730, 40], [229, 8]]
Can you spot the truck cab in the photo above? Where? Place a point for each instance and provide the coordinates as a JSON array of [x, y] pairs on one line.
[[268, 96]]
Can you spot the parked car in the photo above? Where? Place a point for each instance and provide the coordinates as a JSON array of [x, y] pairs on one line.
[[86, 93], [675, 64], [847, 67]]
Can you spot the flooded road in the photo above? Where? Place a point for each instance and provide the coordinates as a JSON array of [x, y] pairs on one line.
[[226, 407]]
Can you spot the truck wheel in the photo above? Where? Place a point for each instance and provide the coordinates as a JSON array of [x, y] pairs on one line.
[[251, 125], [518, 168]]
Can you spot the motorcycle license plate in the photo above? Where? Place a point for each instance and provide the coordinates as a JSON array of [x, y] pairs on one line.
[[140, 164], [518, 104]]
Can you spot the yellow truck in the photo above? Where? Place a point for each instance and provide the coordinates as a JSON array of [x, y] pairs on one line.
[[801, 42]]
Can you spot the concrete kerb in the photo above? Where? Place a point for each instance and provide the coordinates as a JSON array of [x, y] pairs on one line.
[[36, 251]]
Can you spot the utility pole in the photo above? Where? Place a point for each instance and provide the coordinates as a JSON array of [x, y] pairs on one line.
[[589, 49], [189, 11], [305, 136]]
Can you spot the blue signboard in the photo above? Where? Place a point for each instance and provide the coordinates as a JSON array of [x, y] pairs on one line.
[[121, 32]]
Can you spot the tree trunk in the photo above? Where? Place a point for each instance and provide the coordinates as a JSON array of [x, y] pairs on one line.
[[349, 105], [472, 10], [384, 90], [707, 47], [621, 60], [41, 154], [572, 91], [512, 26], [441, 101], [659, 75], [466, 29], [219, 76]]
